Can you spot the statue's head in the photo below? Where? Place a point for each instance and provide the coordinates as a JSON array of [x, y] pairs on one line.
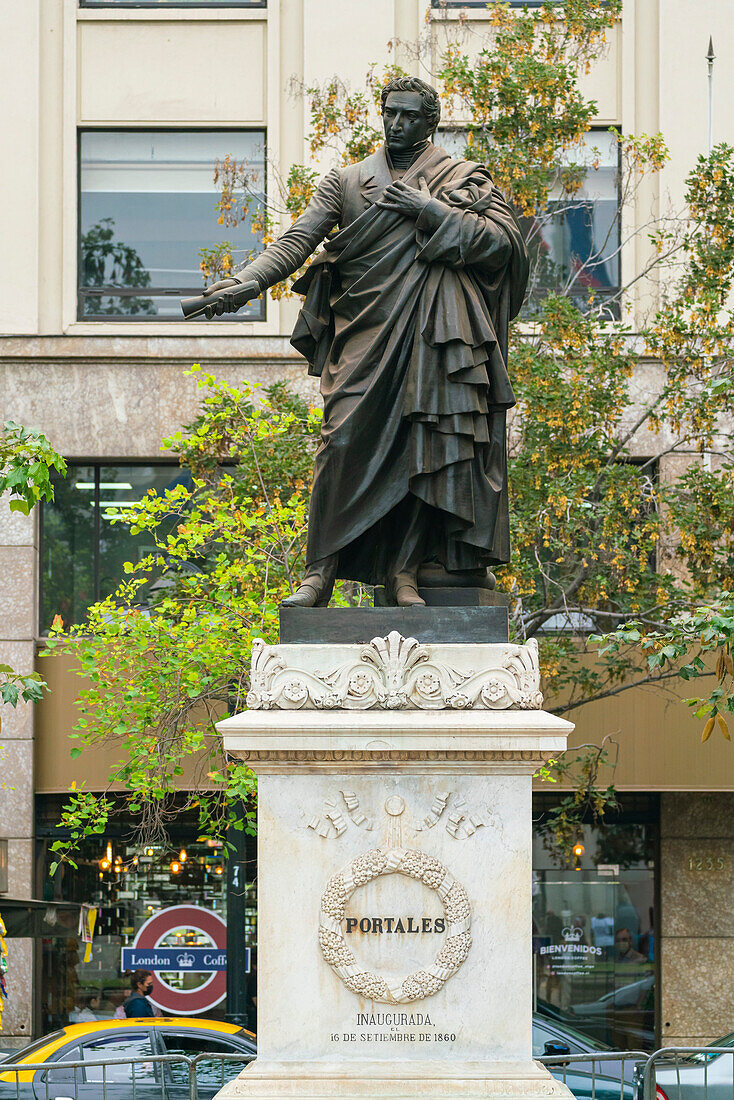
[[410, 112]]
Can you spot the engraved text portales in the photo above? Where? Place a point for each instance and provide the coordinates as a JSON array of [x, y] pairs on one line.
[[417, 865]]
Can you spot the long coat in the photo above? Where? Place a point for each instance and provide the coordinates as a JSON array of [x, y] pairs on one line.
[[406, 323]]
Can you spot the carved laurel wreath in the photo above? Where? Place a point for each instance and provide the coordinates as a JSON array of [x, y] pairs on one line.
[[415, 864]]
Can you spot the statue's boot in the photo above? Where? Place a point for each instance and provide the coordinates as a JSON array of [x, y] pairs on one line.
[[405, 587], [317, 586]]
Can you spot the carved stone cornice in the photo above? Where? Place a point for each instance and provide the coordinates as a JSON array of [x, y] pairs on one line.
[[410, 739]]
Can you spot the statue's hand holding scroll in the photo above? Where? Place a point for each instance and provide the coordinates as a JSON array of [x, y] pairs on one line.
[[236, 295], [404, 199], [224, 296]]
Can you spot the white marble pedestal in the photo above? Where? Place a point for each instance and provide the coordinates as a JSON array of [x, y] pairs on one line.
[[394, 900]]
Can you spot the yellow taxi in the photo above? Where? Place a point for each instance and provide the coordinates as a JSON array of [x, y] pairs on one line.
[[158, 1055]]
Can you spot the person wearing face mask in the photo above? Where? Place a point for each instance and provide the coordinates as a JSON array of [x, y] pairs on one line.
[[137, 1003]]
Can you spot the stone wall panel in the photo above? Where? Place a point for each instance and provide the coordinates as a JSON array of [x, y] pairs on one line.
[[17, 592], [696, 977], [16, 794]]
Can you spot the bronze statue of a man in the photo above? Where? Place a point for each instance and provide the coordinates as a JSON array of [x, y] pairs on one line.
[[405, 320]]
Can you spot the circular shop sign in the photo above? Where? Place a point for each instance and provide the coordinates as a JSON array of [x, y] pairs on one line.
[[212, 991], [428, 870]]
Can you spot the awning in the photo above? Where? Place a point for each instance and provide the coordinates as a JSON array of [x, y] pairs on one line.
[[38, 919]]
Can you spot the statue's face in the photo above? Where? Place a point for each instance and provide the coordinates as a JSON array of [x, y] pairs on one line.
[[405, 121]]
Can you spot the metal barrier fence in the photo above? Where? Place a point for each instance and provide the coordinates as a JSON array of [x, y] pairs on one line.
[[618, 1080], [699, 1077], [158, 1077], [671, 1073]]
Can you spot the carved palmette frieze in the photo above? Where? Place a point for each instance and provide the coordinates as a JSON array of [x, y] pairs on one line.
[[395, 673], [363, 869]]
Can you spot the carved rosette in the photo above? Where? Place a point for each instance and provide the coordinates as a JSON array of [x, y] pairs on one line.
[[396, 673], [418, 865]]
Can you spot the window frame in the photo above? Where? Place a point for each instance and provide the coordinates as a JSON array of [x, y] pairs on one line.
[[127, 319], [192, 5]]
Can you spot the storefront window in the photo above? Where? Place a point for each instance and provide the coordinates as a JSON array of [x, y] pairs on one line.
[[132, 889], [594, 930]]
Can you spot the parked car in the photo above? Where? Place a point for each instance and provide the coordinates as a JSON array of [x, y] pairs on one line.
[[139, 1039], [612, 1080], [696, 1076]]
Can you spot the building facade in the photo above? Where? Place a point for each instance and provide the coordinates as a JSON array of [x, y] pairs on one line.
[[116, 112]]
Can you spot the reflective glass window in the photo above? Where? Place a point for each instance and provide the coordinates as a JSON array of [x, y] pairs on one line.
[[574, 242], [136, 885], [147, 205], [67, 549], [137, 1047], [83, 546], [594, 933], [226, 1059]]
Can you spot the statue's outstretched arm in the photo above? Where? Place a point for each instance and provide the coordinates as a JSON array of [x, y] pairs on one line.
[[279, 260], [293, 247]]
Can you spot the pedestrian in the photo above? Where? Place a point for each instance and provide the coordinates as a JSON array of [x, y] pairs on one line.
[[137, 1003]]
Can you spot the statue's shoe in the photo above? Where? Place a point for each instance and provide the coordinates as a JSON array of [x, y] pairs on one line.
[[406, 591], [307, 595], [317, 586]]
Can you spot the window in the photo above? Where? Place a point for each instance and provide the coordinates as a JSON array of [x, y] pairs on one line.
[[147, 205], [227, 1060], [137, 1047], [594, 927], [82, 549], [574, 242], [61, 1074], [125, 900]]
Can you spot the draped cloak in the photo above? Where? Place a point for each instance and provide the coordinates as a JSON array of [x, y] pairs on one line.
[[406, 322]]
